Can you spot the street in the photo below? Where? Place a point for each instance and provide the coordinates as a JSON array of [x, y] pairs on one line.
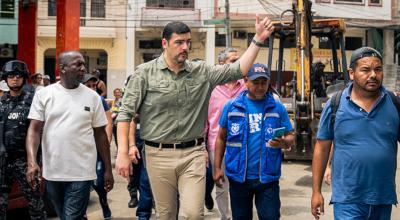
[[295, 196]]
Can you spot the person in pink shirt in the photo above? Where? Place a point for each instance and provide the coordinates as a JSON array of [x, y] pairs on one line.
[[219, 96]]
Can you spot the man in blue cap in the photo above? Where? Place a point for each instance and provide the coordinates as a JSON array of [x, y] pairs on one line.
[[253, 153], [365, 135]]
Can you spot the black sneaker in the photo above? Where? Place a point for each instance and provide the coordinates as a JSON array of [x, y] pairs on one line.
[[133, 202], [209, 202]]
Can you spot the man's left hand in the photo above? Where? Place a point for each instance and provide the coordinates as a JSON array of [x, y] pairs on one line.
[[134, 154], [278, 143], [108, 181], [264, 28], [328, 175]]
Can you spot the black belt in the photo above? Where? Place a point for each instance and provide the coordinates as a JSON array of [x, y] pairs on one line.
[[186, 144]]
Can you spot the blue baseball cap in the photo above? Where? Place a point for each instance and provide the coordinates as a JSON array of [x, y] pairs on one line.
[[258, 70]]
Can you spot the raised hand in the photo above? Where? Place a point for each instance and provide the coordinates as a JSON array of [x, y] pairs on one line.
[[264, 28]]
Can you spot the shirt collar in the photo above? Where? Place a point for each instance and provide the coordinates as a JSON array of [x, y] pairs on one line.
[[161, 64], [238, 84]]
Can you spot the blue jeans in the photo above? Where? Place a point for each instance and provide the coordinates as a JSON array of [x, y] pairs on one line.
[[70, 199], [98, 184], [209, 181], [266, 196], [134, 179], [360, 211], [145, 204]]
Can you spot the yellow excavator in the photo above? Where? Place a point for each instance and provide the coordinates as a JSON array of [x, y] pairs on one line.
[[305, 90]]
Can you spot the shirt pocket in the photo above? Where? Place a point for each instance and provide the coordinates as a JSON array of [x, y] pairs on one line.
[[196, 89], [271, 121], [236, 127], [232, 159], [273, 161], [159, 94]]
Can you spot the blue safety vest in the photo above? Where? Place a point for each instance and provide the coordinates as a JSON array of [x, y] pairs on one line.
[[237, 140]]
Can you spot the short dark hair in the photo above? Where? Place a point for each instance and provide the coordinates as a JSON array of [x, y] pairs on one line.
[[176, 27]]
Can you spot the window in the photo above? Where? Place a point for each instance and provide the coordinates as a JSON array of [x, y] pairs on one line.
[[220, 40], [353, 43], [350, 1], [150, 44], [325, 43], [98, 9], [375, 2], [290, 42], [83, 8], [7, 9], [52, 8], [250, 38], [170, 4]]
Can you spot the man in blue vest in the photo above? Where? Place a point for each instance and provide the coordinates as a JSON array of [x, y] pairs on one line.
[[253, 154]]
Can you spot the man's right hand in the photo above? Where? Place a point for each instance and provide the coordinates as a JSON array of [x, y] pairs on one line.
[[123, 165], [317, 205], [218, 177], [33, 175]]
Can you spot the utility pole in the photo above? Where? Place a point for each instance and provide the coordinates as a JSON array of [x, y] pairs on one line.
[[227, 25]]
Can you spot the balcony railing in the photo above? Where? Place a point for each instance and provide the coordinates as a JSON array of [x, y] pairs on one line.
[[82, 22], [158, 17], [187, 4]]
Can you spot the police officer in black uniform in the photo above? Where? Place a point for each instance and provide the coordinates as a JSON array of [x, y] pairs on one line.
[[14, 110]]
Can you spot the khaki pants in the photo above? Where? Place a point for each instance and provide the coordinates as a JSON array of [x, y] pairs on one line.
[[222, 193], [177, 172]]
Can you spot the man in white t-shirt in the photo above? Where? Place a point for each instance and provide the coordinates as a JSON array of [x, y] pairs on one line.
[[73, 122]]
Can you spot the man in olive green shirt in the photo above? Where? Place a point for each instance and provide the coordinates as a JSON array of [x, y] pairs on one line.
[[172, 94]]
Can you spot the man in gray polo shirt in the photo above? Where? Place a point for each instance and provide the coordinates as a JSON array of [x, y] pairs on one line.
[[172, 94]]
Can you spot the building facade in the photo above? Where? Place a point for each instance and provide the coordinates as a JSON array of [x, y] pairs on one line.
[[102, 38], [117, 35], [8, 30]]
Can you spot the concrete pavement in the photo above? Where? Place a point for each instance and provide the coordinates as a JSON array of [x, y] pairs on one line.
[[295, 196]]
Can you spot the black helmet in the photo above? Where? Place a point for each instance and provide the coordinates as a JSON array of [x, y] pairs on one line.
[[15, 67]]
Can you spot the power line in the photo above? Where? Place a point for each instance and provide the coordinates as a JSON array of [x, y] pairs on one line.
[[273, 10]]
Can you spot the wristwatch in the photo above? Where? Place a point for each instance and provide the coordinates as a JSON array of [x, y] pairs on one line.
[[257, 43]]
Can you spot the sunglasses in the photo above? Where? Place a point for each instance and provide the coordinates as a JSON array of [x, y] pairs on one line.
[[12, 76]]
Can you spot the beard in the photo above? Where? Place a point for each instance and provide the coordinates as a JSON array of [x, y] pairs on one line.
[[367, 86], [376, 85], [180, 58]]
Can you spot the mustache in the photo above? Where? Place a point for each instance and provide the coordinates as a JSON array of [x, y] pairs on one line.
[[372, 81]]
